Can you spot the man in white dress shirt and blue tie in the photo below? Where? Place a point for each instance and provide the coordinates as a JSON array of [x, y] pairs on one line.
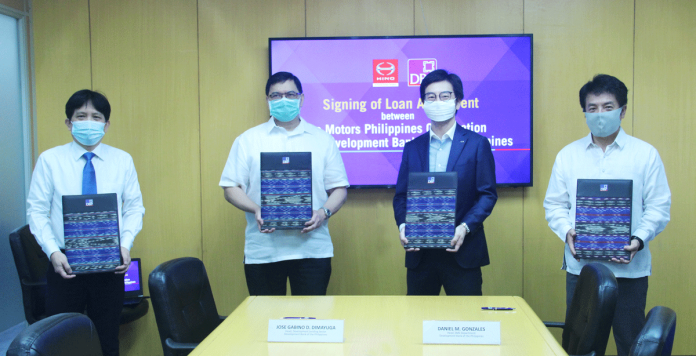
[[85, 166]]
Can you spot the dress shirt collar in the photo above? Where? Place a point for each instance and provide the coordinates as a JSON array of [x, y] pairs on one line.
[[302, 127], [449, 133], [76, 151], [619, 141]]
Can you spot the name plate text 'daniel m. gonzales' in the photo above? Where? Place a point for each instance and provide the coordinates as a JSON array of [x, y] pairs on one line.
[[461, 332]]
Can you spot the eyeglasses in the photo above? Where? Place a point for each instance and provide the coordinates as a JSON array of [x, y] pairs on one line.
[[444, 96], [290, 95]]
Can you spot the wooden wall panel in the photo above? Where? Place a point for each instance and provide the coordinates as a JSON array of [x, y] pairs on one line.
[[359, 18], [454, 17], [368, 258], [145, 60], [573, 41], [233, 51], [664, 117], [62, 64]]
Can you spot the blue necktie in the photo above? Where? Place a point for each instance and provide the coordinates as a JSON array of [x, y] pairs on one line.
[[89, 178]]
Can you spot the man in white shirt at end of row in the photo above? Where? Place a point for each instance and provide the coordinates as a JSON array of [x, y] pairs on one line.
[[608, 152]]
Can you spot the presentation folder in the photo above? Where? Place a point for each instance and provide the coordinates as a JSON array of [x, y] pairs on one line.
[[603, 218], [431, 202], [286, 190], [92, 237]]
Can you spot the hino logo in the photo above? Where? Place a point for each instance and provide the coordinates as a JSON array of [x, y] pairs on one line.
[[385, 72], [385, 68]]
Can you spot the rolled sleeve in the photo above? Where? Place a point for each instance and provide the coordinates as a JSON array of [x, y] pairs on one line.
[[657, 200], [334, 172], [236, 171], [132, 209], [557, 202]]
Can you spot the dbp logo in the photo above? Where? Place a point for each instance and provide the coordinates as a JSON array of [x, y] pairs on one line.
[[286, 160], [418, 69], [385, 72], [603, 187], [89, 202], [431, 180]]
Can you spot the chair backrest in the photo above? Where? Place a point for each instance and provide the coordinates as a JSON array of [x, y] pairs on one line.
[[183, 301], [58, 335], [591, 311], [657, 336], [32, 264]]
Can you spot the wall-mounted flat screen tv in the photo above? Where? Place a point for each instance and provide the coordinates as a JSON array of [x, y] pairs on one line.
[[365, 92]]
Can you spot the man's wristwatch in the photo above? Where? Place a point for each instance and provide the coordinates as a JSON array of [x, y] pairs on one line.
[[466, 227], [327, 212]]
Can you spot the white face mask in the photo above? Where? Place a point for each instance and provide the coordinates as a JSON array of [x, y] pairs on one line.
[[603, 124], [440, 110]]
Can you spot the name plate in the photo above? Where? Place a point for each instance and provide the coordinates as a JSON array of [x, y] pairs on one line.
[[461, 332], [305, 330]]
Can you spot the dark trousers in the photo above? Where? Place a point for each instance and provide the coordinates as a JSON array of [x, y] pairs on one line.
[[100, 294], [438, 268], [308, 276], [629, 315]]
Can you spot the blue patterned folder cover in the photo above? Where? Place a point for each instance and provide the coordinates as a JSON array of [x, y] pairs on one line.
[[92, 238], [431, 201], [603, 218], [286, 190]]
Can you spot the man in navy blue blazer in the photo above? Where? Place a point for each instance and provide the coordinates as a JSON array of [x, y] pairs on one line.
[[448, 147]]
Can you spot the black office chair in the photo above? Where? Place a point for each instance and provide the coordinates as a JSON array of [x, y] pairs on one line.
[[183, 303], [657, 336], [59, 335], [32, 264], [588, 323]]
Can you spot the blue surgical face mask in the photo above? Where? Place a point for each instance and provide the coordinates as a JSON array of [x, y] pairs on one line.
[[284, 109], [603, 124], [88, 132]]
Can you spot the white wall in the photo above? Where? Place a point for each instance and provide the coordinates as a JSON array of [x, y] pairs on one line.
[[12, 173]]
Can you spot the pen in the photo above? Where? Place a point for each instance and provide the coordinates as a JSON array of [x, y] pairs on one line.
[[299, 317], [496, 308]]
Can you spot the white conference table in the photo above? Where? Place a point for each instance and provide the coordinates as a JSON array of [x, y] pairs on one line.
[[380, 325]]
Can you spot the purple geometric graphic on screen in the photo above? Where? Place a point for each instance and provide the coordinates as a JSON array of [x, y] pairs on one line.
[[523, 51], [337, 80]]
